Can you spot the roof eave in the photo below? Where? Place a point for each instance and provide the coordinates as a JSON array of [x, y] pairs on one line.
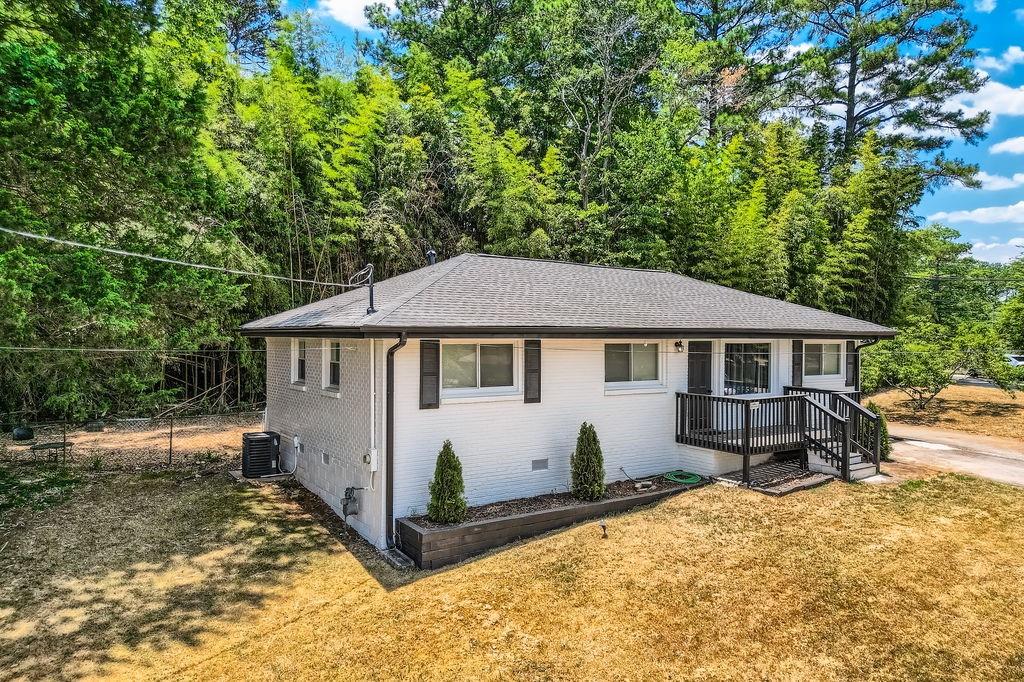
[[563, 332]]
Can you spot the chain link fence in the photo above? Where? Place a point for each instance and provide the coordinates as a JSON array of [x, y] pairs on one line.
[[137, 443]]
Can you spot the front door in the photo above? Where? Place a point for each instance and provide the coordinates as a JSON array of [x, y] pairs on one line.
[[698, 373]]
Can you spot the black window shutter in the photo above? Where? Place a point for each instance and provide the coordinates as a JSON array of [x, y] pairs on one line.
[[798, 363], [852, 356], [531, 371], [430, 375]]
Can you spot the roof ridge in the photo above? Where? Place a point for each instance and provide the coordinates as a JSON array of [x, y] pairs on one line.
[[416, 291], [569, 262]]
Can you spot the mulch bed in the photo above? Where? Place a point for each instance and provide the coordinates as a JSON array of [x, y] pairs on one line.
[[524, 505]]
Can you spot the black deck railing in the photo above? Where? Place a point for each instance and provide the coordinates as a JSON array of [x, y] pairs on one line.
[[822, 396], [835, 427]]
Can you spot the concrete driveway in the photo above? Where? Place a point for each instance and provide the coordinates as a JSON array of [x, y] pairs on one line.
[[998, 459]]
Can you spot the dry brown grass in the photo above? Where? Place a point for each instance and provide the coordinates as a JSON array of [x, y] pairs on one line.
[[972, 409], [140, 576]]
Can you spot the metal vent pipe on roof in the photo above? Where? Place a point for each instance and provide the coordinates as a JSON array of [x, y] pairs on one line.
[[431, 257]]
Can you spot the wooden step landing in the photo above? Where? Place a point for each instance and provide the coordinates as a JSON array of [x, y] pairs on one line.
[[778, 478]]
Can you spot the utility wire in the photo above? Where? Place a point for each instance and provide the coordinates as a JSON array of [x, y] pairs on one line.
[[668, 351], [364, 273], [954, 278], [171, 261]]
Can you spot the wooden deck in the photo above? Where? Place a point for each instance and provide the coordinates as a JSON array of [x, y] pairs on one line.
[[757, 425], [768, 439]]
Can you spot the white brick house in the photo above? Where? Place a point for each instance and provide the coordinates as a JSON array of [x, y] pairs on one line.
[[506, 357]]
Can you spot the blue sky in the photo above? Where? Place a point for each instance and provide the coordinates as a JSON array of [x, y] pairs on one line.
[[991, 218]]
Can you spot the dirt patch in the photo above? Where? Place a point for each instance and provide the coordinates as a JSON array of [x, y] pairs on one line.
[[143, 443], [971, 409], [900, 470], [525, 505]]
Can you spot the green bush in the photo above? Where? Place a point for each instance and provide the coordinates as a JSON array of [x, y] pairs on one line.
[[587, 465], [885, 451], [447, 490]]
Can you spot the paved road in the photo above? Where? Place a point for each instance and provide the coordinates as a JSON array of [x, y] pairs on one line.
[[998, 459], [965, 380]]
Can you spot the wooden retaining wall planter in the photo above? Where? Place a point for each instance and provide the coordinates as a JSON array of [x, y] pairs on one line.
[[437, 547]]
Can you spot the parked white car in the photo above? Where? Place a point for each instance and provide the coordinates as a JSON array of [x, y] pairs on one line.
[[1015, 360]]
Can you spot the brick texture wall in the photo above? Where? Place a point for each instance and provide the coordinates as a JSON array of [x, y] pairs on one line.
[[333, 423]]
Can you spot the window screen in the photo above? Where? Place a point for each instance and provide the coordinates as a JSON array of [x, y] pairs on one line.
[[496, 365], [822, 359], [300, 360], [630, 362], [747, 368], [334, 368], [470, 365]]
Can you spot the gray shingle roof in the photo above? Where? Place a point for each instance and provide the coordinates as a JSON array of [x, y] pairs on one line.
[[482, 293]]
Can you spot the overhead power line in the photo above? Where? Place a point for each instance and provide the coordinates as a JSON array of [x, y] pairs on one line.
[[548, 348], [171, 261], [363, 273], [955, 278]]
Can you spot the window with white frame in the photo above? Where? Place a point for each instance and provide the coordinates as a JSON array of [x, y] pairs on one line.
[[466, 367], [298, 361], [822, 359], [747, 368], [630, 363], [332, 365]]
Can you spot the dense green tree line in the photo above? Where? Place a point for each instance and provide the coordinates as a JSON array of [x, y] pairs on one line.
[[778, 147]]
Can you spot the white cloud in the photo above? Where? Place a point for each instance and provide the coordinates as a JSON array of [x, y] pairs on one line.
[[995, 97], [1019, 13], [998, 252], [987, 215], [998, 182], [797, 49], [1011, 56], [349, 12], [1014, 145], [985, 6]]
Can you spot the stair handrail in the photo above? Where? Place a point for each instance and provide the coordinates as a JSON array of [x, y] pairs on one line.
[[854, 405], [843, 455], [826, 410], [874, 448]]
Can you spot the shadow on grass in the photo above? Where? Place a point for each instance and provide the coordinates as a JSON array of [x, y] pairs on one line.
[[144, 561], [939, 409]]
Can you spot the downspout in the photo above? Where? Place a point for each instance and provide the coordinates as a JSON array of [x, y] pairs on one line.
[[389, 439], [857, 347]]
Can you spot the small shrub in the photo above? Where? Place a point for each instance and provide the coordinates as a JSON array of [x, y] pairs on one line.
[[447, 490], [587, 465], [885, 449]]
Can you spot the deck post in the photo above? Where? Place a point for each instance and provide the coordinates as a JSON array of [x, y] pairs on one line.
[[846, 451], [684, 412], [878, 445], [746, 428], [746, 443]]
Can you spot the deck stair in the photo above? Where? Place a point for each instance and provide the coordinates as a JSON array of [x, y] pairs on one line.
[[832, 431]]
